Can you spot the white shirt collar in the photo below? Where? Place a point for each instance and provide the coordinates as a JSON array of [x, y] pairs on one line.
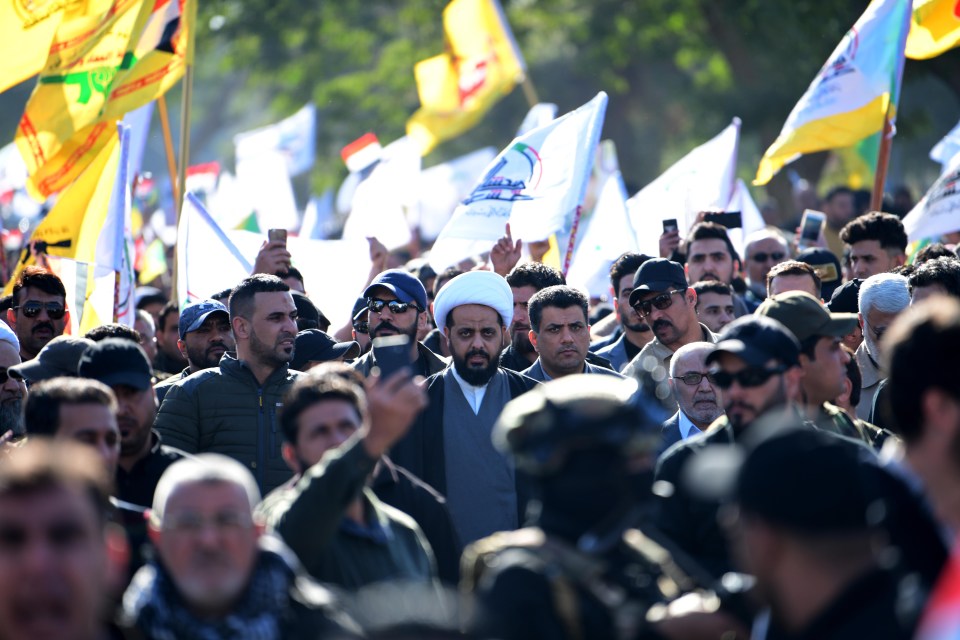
[[474, 395], [687, 428]]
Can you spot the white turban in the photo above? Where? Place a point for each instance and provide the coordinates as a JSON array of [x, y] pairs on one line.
[[474, 287], [7, 335]]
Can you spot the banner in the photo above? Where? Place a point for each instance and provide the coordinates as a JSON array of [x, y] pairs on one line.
[[945, 150], [535, 184], [443, 186], [482, 64], [934, 28], [703, 179], [26, 31], [294, 138], [608, 236], [100, 67], [853, 93], [938, 212], [211, 259]]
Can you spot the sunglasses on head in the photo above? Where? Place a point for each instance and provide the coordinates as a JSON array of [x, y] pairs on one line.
[[662, 301], [395, 306], [695, 377], [361, 327], [763, 257], [32, 308], [750, 377]]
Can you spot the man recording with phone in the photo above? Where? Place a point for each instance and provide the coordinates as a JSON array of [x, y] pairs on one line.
[[397, 305]]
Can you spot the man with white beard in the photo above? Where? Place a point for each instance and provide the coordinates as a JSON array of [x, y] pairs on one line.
[[882, 298], [12, 390]]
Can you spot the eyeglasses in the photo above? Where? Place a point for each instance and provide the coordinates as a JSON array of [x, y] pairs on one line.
[[32, 308], [662, 301], [194, 523], [361, 327], [695, 377], [752, 377], [4, 375], [763, 257], [395, 306]]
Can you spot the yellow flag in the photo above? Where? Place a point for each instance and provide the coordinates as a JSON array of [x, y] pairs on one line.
[[934, 28], [26, 31], [101, 65], [482, 64], [72, 227]]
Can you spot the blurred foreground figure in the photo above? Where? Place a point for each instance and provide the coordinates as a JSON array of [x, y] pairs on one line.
[[581, 570]]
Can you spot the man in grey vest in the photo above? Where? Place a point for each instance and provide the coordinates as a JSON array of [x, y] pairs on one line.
[[449, 445]]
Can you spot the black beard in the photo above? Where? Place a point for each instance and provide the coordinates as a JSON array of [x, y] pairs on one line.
[[477, 377]]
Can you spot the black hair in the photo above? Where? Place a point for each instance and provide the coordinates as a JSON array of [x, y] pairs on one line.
[[311, 389], [625, 265], [536, 275], [170, 307], [292, 272], [241, 299], [114, 330], [41, 409], [559, 296], [932, 251], [854, 375], [711, 231], [876, 225], [151, 298], [942, 271], [836, 191], [711, 286], [38, 278], [444, 277], [793, 268]]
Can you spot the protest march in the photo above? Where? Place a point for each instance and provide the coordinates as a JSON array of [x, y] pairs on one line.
[[644, 358]]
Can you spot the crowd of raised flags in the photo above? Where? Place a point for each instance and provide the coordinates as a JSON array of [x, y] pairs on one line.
[[98, 62]]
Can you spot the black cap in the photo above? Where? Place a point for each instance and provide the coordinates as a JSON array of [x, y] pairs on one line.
[[755, 340], [846, 297], [808, 481], [359, 307], [657, 275], [306, 310], [117, 361], [827, 267], [313, 345]]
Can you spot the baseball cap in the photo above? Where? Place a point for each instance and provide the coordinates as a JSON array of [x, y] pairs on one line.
[[194, 314], [401, 284], [846, 297], [827, 267], [315, 345], [117, 361], [657, 275], [308, 311], [805, 316], [59, 357], [756, 340]]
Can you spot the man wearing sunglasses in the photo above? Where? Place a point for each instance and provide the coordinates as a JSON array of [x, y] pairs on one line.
[[756, 366], [822, 361], [662, 298], [39, 313], [397, 305], [764, 249]]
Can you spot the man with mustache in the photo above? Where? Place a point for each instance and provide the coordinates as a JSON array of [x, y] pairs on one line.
[[525, 280], [662, 297], [449, 446], [711, 256], [882, 298], [756, 366], [39, 313], [232, 409], [205, 335], [397, 305], [635, 332], [560, 333], [697, 394]]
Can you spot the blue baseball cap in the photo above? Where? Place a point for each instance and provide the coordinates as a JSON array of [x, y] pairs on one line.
[[401, 284], [194, 314]]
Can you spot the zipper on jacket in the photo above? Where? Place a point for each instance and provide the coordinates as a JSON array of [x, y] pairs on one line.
[[261, 445]]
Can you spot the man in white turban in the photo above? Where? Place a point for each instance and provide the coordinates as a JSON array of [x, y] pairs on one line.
[[449, 446]]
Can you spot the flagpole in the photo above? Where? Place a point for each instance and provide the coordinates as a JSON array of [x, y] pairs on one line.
[[168, 145], [573, 240], [184, 136], [883, 161], [529, 91]]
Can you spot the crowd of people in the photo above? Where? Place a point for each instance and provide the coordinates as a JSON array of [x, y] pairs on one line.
[[763, 445]]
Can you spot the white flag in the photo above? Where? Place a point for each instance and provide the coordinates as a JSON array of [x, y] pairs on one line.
[[750, 214], [319, 220], [607, 237], [539, 115], [443, 186], [381, 201], [945, 150], [535, 184], [293, 138], [938, 212], [264, 181], [703, 179]]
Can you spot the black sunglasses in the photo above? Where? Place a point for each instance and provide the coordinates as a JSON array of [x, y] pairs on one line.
[[662, 301], [694, 378], [361, 327], [395, 306], [32, 308], [5, 375], [750, 377], [762, 257]]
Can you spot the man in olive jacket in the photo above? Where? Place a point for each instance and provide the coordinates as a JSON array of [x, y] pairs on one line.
[[233, 409]]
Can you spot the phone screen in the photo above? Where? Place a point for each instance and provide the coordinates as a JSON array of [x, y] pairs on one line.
[[811, 224], [391, 354], [670, 225]]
